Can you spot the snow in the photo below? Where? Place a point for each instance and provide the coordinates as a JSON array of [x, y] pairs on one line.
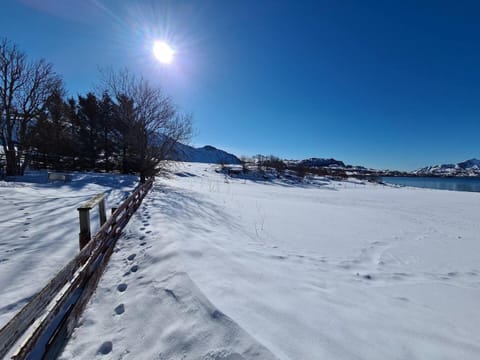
[[39, 226], [222, 268]]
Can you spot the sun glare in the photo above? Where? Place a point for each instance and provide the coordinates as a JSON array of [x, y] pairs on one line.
[[163, 52]]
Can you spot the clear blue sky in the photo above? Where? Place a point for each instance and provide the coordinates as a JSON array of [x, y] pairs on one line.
[[387, 84]]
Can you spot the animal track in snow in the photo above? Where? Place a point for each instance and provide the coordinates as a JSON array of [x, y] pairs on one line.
[[122, 287], [131, 257], [134, 268]]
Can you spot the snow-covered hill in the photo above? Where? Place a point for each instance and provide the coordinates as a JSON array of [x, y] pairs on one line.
[[465, 168], [206, 154]]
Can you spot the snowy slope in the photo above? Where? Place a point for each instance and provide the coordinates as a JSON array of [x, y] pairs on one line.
[[39, 229], [206, 154], [327, 270]]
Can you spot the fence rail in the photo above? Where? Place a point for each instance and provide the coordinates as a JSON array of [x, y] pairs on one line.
[[47, 321]]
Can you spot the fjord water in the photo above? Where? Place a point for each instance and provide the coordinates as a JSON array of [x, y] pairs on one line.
[[452, 183]]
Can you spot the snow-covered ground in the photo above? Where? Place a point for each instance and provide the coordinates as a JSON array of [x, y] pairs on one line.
[[214, 269], [39, 229], [209, 269]]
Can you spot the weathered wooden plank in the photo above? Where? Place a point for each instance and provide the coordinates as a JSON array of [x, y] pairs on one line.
[[90, 204], [20, 322], [40, 324], [71, 319], [81, 277]]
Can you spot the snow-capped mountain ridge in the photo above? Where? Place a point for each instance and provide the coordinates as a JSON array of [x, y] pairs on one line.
[[469, 167], [206, 154]]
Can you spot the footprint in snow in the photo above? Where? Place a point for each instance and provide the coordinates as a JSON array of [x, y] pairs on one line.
[[134, 268], [148, 232], [141, 237], [120, 309], [122, 287], [131, 257], [142, 228], [143, 243], [105, 348], [366, 276]]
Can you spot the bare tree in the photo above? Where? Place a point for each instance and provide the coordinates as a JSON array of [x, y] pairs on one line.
[[153, 121], [25, 88], [245, 161]]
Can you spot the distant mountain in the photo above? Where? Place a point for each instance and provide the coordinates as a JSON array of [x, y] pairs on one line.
[[465, 168], [470, 164], [319, 162], [206, 154]]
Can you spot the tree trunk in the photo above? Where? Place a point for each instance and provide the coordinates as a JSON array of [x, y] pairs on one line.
[[26, 160], [124, 159], [11, 158]]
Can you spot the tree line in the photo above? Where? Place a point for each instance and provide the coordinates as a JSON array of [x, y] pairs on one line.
[[128, 126], [299, 168]]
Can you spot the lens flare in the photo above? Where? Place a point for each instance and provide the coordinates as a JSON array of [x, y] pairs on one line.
[[163, 52]]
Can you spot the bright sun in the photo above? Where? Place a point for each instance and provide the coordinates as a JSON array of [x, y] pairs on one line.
[[163, 52]]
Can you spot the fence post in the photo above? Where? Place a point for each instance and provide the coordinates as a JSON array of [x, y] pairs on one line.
[[84, 236], [101, 210], [84, 215]]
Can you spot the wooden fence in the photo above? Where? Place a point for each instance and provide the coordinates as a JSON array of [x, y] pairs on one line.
[[41, 328]]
